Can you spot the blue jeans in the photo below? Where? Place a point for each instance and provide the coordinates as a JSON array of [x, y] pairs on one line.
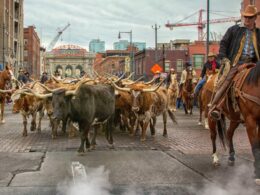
[[200, 85]]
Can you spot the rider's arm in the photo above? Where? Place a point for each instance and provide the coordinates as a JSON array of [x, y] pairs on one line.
[[225, 42], [203, 72]]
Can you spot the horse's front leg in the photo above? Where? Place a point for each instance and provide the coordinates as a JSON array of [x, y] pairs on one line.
[[2, 121], [213, 136], [253, 134], [230, 132]]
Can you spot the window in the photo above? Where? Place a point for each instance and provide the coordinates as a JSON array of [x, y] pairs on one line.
[[25, 53], [179, 65], [198, 61], [167, 66]]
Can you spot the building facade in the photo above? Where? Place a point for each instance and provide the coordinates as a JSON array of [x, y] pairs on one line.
[[124, 44], [145, 60], [69, 60], [96, 46], [32, 52], [244, 3], [11, 33], [197, 53]]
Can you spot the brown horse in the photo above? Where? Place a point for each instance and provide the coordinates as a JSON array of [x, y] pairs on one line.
[[172, 93], [248, 99], [204, 97], [188, 91], [5, 76]]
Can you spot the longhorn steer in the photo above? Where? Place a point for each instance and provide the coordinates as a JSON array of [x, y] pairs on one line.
[[89, 105], [147, 103]]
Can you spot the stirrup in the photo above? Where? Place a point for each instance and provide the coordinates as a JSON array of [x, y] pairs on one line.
[[215, 114]]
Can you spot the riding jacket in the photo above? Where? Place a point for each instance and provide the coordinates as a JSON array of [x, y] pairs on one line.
[[232, 44]]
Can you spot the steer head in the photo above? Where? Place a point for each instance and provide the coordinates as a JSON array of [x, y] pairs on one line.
[[60, 103], [140, 95]]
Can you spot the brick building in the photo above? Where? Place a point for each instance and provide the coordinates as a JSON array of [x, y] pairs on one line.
[[11, 33], [244, 3], [144, 60], [197, 53], [32, 52]]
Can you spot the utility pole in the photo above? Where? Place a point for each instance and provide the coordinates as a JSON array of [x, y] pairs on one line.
[[207, 44], [155, 27], [3, 46], [163, 58]]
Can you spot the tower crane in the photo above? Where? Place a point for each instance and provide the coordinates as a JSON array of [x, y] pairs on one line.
[[201, 23], [56, 38]]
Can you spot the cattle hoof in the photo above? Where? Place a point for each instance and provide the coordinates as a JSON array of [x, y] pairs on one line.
[[143, 140], [199, 123], [231, 162], [111, 146], [81, 153], [165, 135], [53, 136], [24, 134], [2, 121], [39, 130], [257, 181], [93, 147]]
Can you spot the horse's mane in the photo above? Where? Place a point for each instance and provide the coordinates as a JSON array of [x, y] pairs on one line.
[[253, 75]]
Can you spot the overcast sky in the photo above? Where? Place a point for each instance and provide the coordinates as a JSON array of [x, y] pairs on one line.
[[103, 19]]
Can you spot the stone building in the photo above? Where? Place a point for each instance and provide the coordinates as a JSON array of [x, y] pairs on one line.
[[11, 30], [69, 60]]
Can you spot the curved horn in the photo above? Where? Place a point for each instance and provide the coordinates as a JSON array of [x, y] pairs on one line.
[[119, 79], [120, 88], [70, 92], [153, 89], [38, 95], [6, 91], [150, 82], [129, 76]]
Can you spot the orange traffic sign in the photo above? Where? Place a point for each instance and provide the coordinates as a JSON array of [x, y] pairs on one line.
[[155, 68]]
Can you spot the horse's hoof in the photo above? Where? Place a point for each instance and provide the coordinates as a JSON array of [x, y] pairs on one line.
[[2, 121], [111, 146], [257, 181], [216, 164], [199, 123], [39, 130], [231, 162], [53, 136], [24, 134], [143, 140], [165, 135]]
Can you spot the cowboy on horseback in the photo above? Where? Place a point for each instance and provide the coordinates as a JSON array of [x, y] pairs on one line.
[[171, 75], [184, 76], [240, 45], [211, 65]]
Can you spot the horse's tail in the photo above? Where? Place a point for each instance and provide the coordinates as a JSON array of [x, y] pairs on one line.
[[221, 126], [172, 116]]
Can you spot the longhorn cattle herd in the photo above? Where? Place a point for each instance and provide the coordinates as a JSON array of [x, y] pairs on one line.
[[89, 103]]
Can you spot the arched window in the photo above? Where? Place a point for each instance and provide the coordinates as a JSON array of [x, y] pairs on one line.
[[78, 70], [68, 71]]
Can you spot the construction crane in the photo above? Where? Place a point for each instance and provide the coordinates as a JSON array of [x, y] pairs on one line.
[[56, 38], [201, 23]]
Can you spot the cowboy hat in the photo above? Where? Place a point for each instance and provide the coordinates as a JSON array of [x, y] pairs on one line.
[[250, 10], [211, 54]]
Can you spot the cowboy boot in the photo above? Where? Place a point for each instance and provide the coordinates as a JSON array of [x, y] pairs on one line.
[[214, 107]]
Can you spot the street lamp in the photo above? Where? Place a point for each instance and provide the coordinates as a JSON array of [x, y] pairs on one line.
[[132, 66]]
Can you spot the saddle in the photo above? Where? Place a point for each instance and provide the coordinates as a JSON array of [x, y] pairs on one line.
[[238, 82]]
